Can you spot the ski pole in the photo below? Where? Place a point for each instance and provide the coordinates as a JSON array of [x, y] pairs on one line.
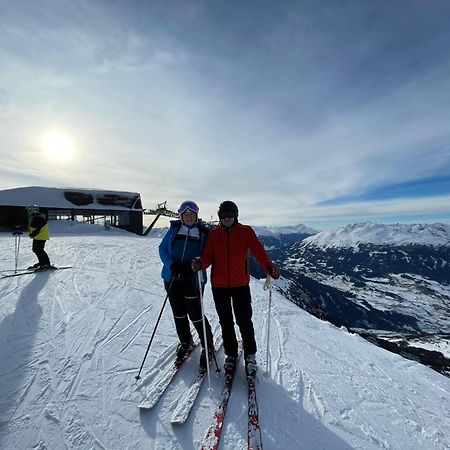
[[16, 235], [211, 342], [268, 286], [200, 279], [16, 252], [138, 376]]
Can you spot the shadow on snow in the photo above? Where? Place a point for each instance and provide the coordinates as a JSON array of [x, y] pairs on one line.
[[17, 333]]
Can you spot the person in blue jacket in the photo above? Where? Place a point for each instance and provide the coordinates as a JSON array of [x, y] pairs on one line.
[[183, 241]]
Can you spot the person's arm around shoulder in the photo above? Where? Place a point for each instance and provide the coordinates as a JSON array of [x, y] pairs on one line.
[[207, 256], [204, 233]]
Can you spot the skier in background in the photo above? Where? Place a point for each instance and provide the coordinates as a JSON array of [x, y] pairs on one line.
[[38, 231], [183, 241], [226, 251]]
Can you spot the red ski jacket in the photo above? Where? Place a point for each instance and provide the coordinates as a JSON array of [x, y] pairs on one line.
[[226, 250]]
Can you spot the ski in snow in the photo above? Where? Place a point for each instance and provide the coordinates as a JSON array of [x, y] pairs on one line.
[[254, 431], [187, 399], [212, 437], [31, 271], [160, 385], [15, 270]]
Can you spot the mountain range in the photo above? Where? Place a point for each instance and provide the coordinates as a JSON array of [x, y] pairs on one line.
[[388, 283]]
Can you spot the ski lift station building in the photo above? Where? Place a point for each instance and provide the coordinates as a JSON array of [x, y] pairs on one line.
[[111, 208]]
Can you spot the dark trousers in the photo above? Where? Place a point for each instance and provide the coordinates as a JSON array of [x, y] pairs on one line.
[[238, 300], [185, 302], [38, 250]]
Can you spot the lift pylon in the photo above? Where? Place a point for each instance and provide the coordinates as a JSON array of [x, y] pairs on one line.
[[160, 210]]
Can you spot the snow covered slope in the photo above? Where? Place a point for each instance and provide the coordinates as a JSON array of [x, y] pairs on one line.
[[73, 340]]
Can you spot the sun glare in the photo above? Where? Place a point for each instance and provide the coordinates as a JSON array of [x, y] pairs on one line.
[[58, 146]]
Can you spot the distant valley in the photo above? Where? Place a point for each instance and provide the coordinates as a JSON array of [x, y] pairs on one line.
[[388, 283]]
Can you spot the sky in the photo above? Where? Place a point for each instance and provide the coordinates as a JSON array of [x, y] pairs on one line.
[[323, 113]]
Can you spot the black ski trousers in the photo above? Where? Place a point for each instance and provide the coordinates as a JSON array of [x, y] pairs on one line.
[[185, 302], [38, 250], [238, 300]]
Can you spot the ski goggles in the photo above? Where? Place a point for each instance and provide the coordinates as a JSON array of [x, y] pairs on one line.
[[188, 205], [226, 215]]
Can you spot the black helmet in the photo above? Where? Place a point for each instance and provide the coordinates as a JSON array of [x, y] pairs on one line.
[[228, 207]]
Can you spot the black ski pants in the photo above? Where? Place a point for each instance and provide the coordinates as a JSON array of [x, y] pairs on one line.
[[38, 250], [185, 302], [238, 300]]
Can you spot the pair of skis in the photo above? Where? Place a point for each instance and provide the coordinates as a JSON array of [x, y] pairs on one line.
[[187, 400], [20, 272], [160, 385], [212, 437]]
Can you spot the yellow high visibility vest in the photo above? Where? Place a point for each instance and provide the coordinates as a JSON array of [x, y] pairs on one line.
[[43, 235]]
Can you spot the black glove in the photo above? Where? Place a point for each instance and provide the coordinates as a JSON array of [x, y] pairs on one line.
[[17, 233], [182, 269], [196, 264], [273, 271]]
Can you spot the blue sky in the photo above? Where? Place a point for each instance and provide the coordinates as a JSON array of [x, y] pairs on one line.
[[315, 112]]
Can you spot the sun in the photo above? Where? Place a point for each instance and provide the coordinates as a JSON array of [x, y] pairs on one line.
[[58, 146]]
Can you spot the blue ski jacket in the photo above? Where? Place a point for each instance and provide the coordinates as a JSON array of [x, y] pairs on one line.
[[169, 251]]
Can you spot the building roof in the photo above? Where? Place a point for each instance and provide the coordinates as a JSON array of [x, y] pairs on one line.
[[71, 198]]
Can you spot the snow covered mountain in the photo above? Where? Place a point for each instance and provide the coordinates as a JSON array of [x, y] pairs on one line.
[[290, 229], [353, 236], [387, 282], [72, 342], [278, 237]]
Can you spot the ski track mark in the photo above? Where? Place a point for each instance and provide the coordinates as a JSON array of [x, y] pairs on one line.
[[19, 285], [103, 392], [134, 337], [45, 398], [281, 343], [278, 325], [26, 391], [146, 310], [73, 383], [76, 430]]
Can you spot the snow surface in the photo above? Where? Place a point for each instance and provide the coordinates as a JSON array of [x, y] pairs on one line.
[[73, 341], [352, 236]]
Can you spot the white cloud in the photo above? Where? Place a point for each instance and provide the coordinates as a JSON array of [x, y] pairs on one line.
[[159, 111]]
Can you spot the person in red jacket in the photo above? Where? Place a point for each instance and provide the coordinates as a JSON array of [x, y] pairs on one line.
[[226, 251]]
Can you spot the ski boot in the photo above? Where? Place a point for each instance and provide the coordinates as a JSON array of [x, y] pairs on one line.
[[45, 267], [230, 365], [250, 365], [203, 362], [182, 350]]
